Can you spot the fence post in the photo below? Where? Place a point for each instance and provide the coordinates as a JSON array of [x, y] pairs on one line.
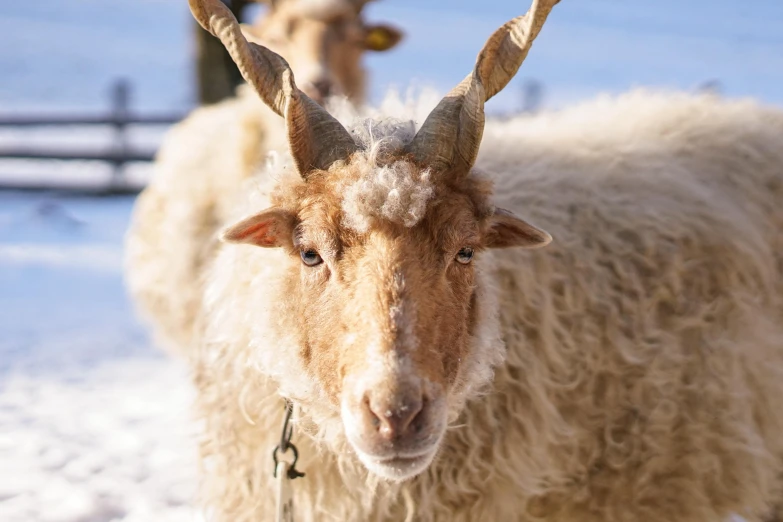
[[120, 104]]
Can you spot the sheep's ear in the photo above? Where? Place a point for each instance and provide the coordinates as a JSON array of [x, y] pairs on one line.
[[381, 37], [271, 228], [506, 230]]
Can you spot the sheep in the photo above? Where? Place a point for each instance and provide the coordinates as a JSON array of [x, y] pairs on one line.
[[204, 160], [447, 362]]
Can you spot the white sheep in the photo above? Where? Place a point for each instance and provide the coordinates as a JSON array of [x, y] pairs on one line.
[[205, 159], [630, 371]]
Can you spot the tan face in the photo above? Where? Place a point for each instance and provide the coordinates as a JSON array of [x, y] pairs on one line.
[[385, 317], [323, 44]]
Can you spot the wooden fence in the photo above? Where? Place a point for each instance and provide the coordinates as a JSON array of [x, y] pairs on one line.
[[118, 154]]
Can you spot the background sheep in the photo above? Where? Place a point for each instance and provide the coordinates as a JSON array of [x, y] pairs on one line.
[[328, 36], [637, 360], [205, 159]]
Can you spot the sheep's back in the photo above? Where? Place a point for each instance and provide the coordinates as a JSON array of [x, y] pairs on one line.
[[646, 343]]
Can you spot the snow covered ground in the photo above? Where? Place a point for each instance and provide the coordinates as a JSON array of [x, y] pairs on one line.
[[94, 422]]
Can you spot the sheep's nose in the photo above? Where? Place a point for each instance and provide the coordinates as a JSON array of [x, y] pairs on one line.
[[395, 417]]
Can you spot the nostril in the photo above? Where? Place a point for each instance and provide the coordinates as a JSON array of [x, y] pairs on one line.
[[417, 423], [374, 419]]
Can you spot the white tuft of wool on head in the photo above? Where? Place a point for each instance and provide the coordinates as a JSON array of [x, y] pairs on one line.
[[398, 193]]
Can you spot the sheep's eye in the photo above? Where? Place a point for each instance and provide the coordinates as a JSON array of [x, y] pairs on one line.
[[465, 255], [310, 257]]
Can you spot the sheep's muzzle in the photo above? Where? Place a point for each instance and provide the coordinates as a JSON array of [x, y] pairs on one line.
[[395, 423]]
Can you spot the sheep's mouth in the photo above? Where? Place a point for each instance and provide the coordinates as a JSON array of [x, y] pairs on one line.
[[398, 468]]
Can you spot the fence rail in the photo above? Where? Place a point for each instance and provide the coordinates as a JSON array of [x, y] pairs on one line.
[[116, 154], [106, 119], [115, 157]]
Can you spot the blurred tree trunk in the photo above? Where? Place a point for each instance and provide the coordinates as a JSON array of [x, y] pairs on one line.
[[216, 74]]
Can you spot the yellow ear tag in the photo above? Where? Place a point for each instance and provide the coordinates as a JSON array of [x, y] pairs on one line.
[[378, 39]]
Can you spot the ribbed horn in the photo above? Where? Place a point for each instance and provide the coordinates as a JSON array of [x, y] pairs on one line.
[[450, 137]]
